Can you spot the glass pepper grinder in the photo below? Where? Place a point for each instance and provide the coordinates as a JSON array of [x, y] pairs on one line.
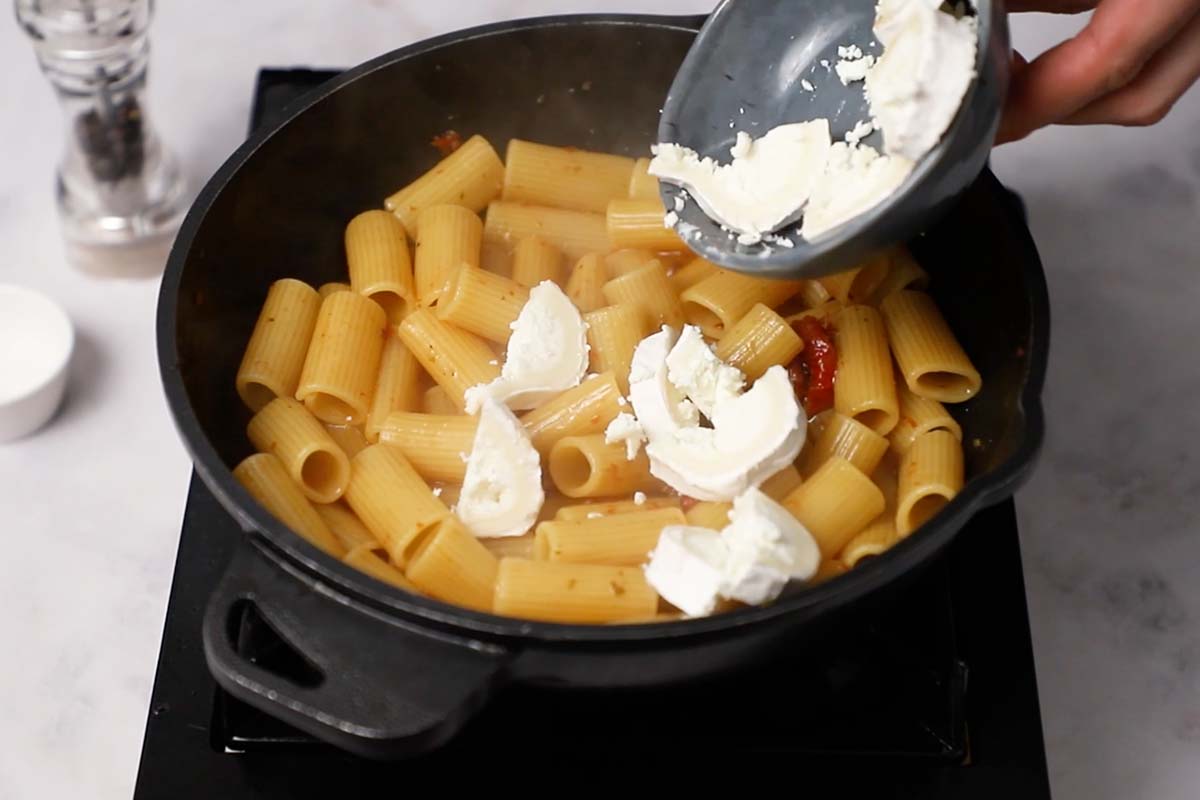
[[120, 194]]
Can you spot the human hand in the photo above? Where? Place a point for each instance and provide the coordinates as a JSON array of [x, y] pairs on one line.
[[1129, 65]]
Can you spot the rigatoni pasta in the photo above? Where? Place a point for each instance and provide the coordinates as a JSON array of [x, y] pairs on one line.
[[453, 357], [585, 286], [931, 474], [620, 540], [576, 233], [435, 445], [274, 357], [285, 428], [482, 303], [554, 591], [717, 302], [588, 408], [835, 503], [379, 264], [471, 176], [758, 341], [535, 260], [397, 387], [648, 289], [448, 238], [584, 466], [639, 223], [612, 334], [392, 500], [865, 389], [338, 379], [931, 360], [267, 480], [919, 415], [452, 565], [643, 185], [564, 177]]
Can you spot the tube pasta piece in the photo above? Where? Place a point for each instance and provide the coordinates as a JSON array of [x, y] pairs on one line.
[[482, 303], [692, 273], [931, 474], [643, 185], [472, 176], [585, 287], [605, 508], [931, 360], [437, 446], [758, 341], [367, 561], [267, 480], [712, 514], [535, 260], [835, 503], [648, 289], [561, 592], [397, 388], [448, 237], [903, 273], [380, 267], [865, 389], [576, 233], [859, 284], [612, 334], [639, 223], [564, 177], [782, 483], [919, 415], [587, 408], [456, 359], [624, 261], [717, 302], [346, 527], [314, 461], [846, 438], [329, 288], [338, 379], [584, 466], [452, 565], [829, 569], [392, 500], [621, 540], [436, 401], [510, 546], [274, 356], [348, 437]]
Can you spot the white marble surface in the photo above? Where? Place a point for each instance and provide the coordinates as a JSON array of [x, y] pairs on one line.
[[1109, 523]]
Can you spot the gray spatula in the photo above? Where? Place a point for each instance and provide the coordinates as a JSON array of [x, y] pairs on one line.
[[747, 71]]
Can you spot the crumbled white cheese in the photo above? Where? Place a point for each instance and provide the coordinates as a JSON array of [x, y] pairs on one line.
[[849, 51], [859, 179], [502, 489], [861, 130], [547, 353], [806, 85], [751, 560], [749, 238], [626, 429], [765, 184], [850, 70], [639, 498], [437, 491], [694, 369], [918, 84], [678, 203], [825, 63], [594, 515], [669, 219], [754, 433]]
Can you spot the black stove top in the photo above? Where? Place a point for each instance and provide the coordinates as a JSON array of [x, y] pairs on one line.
[[932, 695]]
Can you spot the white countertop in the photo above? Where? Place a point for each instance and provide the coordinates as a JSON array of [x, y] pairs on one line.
[[1109, 523]]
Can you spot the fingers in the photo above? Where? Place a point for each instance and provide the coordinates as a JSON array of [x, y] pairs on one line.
[[1147, 98], [1106, 55], [1052, 6]]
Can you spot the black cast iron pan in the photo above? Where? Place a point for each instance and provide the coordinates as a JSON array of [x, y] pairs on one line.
[[397, 674]]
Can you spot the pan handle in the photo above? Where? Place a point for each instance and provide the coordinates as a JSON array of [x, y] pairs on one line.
[[373, 685]]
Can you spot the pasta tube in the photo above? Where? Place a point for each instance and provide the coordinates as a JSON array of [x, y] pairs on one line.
[[564, 177], [319, 467], [561, 592], [338, 379], [448, 237], [933, 363], [267, 480], [380, 268], [865, 388], [274, 356], [471, 176]]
